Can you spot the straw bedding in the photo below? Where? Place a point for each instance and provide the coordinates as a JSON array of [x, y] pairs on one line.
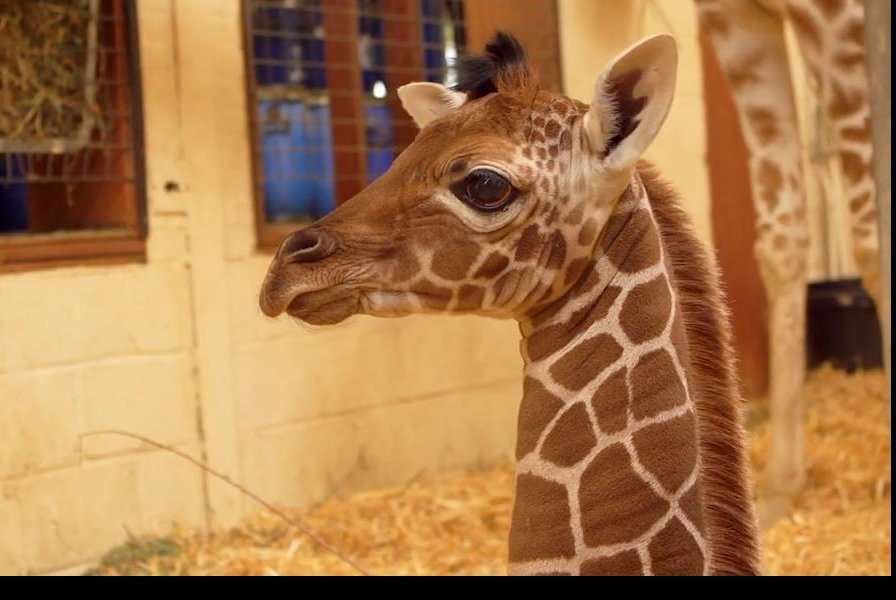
[[457, 523]]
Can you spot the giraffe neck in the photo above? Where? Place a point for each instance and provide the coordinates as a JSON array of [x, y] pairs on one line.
[[608, 473]]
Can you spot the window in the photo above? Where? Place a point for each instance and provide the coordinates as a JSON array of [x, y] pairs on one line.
[[71, 174], [321, 79]]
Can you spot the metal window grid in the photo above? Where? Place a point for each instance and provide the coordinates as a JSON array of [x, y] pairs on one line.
[[112, 149]]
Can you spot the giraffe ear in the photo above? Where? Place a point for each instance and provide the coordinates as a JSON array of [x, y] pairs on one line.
[[631, 100], [427, 101]]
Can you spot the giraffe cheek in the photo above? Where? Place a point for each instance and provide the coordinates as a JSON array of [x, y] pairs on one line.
[[470, 298], [403, 266]]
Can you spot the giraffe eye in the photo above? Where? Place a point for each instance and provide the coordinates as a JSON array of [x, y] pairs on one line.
[[486, 190]]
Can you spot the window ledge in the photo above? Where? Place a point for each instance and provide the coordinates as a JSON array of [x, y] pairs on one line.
[[28, 252]]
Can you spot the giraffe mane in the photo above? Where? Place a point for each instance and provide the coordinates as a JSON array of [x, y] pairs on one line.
[[503, 68], [731, 524]]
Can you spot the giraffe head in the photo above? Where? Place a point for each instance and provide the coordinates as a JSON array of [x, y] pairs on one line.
[[496, 206]]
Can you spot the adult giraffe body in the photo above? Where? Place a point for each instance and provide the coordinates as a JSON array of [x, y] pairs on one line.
[[748, 37], [518, 202]]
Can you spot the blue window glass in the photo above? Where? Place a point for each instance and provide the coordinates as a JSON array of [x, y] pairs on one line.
[[444, 37], [377, 115], [293, 109], [13, 194]]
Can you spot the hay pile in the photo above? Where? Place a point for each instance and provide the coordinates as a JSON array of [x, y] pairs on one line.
[[46, 68], [841, 525], [457, 523]]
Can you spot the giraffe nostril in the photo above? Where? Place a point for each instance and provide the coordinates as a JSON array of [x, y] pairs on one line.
[[306, 246]]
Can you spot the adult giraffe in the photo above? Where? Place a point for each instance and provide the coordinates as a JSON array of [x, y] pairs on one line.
[[520, 203], [748, 37]]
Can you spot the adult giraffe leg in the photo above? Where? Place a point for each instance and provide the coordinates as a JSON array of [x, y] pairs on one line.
[[831, 38], [750, 45]]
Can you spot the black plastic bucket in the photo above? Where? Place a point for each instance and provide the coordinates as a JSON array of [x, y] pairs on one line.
[[843, 327]]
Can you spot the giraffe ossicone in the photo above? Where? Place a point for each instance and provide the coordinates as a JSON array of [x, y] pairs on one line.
[[522, 203]]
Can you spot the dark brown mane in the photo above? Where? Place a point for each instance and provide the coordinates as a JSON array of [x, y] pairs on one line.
[[730, 518], [503, 68]]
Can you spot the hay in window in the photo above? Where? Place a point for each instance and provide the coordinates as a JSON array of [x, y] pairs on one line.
[[48, 64]]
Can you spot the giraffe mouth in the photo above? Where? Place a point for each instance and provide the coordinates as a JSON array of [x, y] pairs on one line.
[[325, 307]]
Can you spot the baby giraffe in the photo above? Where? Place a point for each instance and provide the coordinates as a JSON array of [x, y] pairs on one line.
[[517, 202]]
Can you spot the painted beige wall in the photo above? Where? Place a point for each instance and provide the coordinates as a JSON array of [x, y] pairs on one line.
[[176, 349], [594, 31]]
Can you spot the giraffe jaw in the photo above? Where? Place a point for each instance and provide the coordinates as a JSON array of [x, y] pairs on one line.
[[328, 306]]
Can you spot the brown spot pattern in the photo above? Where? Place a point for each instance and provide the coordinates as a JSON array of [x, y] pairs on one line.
[[565, 141], [853, 166], [845, 102], [646, 253], [770, 181], [432, 295], [673, 551], [857, 134], [715, 22], [855, 32], [405, 265], [857, 203], [588, 233], [619, 565], [764, 123], [669, 450], [557, 255], [506, 286], [571, 438], [830, 8], [576, 268], [529, 244], [617, 505], [743, 71], [610, 402], [655, 385], [554, 337], [493, 265], [646, 310], [552, 129], [541, 521], [692, 507], [578, 366], [452, 260], [470, 297], [847, 60], [805, 28], [537, 409], [779, 242]]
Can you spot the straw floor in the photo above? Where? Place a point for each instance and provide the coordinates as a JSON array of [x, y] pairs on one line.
[[456, 523]]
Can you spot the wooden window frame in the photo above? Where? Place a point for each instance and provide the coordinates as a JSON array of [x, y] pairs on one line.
[[33, 251]]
